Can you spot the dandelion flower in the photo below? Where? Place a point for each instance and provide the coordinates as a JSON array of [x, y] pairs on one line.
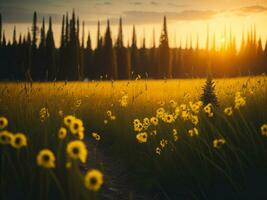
[[19, 140], [142, 137], [96, 136], [93, 180], [77, 150], [62, 132], [228, 111], [5, 137], [217, 143], [46, 159], [3, 122], [264, 129]]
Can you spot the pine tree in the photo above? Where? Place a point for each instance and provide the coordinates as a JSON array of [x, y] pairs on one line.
[[14, 37], [61, 73], [109, 56], [50, 53], [122, 56], [0, 29], [89, 71], [73, 56], [42, 53], [209, 95], [34, 30], [34, 51], [134, 53], [164, 53]]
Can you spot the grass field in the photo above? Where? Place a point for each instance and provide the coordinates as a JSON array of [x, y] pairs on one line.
[[170, 145]]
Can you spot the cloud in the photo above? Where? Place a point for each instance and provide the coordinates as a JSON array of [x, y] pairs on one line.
[[137, 3], [24, 15], [249, 10], [154, 3], [156, 17], [176, 5]]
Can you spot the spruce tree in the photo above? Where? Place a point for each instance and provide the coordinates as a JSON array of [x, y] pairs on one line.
[[50, 53], [89, 72], [42, 53], [34, 30], [134, 53], [208, 95], [164, 69], [61, 73], [14, 36], [34, 51], [0, 29], [109, 56], [122, 56]]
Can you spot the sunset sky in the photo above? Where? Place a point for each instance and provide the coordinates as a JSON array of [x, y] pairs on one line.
[[185, 18]]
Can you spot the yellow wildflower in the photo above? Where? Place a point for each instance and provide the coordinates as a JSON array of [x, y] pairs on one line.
[[175, 135], [46, 159], [264, 129], [109, 113], [193, 132], [93, 180], [62, 132], [96, 136], [217, 143], [5, 137], [163, 143], [68, 120], [173, 103], [154, 121], [168, 118], [138, 127], [158, 151], [76, 126], [142, 137], [77, 150], [3, 122], [19, 140], [194, 119], [228, 111]]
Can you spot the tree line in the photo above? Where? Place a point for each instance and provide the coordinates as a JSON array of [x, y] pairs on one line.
[[34, 56]]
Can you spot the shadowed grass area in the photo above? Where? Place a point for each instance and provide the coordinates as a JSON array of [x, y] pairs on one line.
[[191, 152]]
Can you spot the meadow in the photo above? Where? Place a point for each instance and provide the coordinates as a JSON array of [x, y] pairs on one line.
[[157, 133]]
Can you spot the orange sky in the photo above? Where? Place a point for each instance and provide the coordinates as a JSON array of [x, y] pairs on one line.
[[185, 18]]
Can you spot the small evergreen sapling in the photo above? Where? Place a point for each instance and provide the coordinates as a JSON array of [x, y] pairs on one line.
[[209, 95]]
